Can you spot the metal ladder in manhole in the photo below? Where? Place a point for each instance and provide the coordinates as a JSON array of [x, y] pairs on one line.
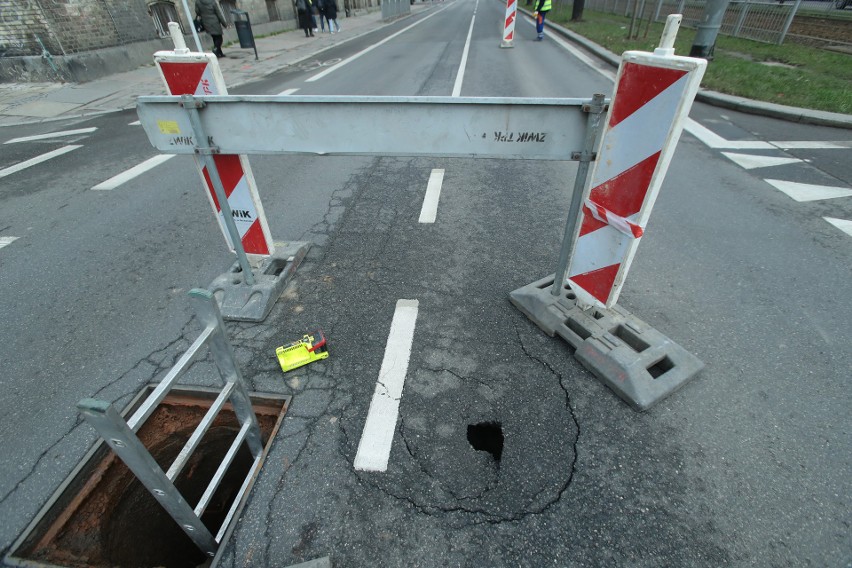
[[121, 435]]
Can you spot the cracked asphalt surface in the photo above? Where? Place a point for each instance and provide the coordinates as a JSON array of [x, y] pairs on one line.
[[748, 465], [476, 359]]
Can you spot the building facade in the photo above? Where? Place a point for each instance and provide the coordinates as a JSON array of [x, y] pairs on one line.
[[79, 40]]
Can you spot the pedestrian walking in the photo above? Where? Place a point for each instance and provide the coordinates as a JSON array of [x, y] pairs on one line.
[[542, 7], [331, 15], [304, 7], [322, 15], [210, 14]]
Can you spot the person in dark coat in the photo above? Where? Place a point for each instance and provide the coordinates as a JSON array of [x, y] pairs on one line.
[[331, 15], [304, 8], [213, 20], [320, 4]]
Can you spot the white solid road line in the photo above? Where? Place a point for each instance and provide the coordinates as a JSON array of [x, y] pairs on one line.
[[429, 211], [375, 445], [37, 160], [813, 145], [842, 224], [460, 75], [4, 241], [52, 135], [577, 53], [288, 92], [334, 68], [809, 192], [751, 161], [135, 123], [713, 140], [137, 170]]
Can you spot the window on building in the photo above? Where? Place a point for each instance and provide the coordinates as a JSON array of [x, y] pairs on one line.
[[227, 6], [272, 10], [162, 13]]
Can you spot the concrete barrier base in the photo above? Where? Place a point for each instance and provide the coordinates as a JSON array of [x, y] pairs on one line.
[[240, 302], [637, 362]]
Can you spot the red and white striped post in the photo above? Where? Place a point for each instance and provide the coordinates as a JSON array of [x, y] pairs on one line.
[[653, 95], [187, 73], [509, 25]]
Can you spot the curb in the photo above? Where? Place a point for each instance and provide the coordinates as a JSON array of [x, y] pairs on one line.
[[733, 102]]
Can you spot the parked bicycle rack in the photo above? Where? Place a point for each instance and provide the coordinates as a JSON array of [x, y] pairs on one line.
[[121, 435]]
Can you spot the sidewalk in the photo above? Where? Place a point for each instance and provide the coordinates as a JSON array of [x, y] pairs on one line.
[[38, 102], [22, 103]]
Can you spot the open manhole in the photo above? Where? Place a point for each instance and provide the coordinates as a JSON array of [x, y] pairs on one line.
[[102, 515]]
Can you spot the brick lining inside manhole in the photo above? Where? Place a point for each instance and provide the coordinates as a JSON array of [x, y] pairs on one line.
[[487, 437], [103, 516]]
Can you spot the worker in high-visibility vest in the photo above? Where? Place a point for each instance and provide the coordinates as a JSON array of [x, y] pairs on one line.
[[542, 7]]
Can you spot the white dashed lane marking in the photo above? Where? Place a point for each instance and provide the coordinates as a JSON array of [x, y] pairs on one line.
[[429, 211], [52, 135], [37, 160], [375, 445], [133, 172]]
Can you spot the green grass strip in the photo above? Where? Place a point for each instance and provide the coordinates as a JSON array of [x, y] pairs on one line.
[[788, 74]]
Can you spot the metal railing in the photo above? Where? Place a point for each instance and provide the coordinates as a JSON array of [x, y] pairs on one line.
[[121, 435], [760, 20]]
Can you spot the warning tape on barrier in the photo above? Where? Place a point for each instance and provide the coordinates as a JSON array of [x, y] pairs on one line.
[[199, 74], [652, 98]]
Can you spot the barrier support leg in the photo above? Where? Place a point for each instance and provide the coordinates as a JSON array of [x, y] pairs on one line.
[[595, 110], [243, 293]]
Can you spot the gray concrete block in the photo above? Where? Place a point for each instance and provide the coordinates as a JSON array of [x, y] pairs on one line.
[[637, 362], [240, 302]]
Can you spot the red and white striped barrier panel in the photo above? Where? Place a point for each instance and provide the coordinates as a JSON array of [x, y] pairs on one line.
[[199, 74], [653, 95], [509, 25]]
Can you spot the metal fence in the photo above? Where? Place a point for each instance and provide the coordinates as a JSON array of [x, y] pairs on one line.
[[758, 20], [394, 8]]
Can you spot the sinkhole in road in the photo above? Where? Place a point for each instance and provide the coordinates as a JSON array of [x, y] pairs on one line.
[[487, 437], [103, 516]]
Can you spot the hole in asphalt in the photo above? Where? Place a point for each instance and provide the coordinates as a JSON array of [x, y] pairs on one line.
[[486, 437]]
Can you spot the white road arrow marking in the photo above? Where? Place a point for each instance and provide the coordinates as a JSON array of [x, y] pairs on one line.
[[842, 224], [4, 241], [809, 192], [750, 161]]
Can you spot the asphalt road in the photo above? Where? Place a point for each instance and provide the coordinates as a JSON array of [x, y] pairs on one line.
[[749, 464]]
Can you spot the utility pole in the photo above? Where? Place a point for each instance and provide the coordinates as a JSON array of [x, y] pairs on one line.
[[577, 10], [708, 29]]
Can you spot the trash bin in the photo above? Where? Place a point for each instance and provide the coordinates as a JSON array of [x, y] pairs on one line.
[[242, 24]]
